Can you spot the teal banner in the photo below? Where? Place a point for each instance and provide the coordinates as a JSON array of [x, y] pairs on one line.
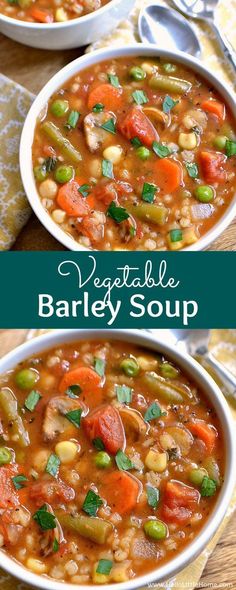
[[118, 290]]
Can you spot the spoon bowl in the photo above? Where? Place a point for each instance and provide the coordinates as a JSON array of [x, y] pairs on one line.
[[167, 29]]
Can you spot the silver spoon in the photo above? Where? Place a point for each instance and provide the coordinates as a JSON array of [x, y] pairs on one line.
[[204, 10], [167, 28]]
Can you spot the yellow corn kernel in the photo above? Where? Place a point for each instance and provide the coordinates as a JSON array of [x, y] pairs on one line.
[[40, 459], [189, 236], [36, 566], [66, 450], [156, 461], [119, 572], [187, 141], [61, 15], [99, 578], [175, 245]]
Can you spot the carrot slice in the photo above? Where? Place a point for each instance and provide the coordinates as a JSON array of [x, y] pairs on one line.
[[212, 166], [105, 423], [168, 175], [71, 201], [205, 432], [179, 501], [40, 15], [86, 377], [121, 491], [107, 95], [8, 496], [215, 107], [137, 124]]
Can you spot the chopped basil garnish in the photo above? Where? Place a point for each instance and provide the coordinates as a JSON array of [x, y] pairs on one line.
[[136, 142], [109, 126], [149, 191], [50, 163], [160, 150], [84, 190], [98, 444], [153, 412], [140, 97], [72, 120], [153, 496], [124, 394], [192, 169], [230, 148], [53, 465], [168, 104], [132, 231], [32, 400], [45, 519], [208, 487], [55, 546], [99, 366], [123, 462], [74, 417], [104, 566], [91, 503], [73, 391], [19, 481], [98, 108], [119, 214], [107, 169], [176, 235], [114, 80]]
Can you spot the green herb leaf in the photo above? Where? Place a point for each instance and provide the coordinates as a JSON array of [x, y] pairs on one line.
[[98, 444], [53, 465], [149, 191], [153, 412], [160, 150], [230, 148], [123, 462], [168, 104], [107, 169], [153, 496], [50, 164], [98, 108], [208, 487], [109, 126], [19, 481], [73, 391], [104, 566], [136, 142], [124, 394], [45, 519], [32, 400], [176, 235], [192, 169], [114, 80], [84, 190], [72, 119], [169, 68], [74, 417], [119, 214], [140, 97], [91, 503], [55, 546], [132, 231], [99, 366]]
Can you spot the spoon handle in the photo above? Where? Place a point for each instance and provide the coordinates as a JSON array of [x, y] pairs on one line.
[[226, 46], [227, 378]]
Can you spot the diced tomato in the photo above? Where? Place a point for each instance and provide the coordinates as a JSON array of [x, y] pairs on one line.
[[40, 15], [212, 166], [71, 201], [52, 491], [179, 501], [111, 191], [107, 95], [86, 377], [178, 514], [105, 423], [215, 107], [49, 151], [8, 495], [136, 124], [121, 491], [92, 228], [205, 432]]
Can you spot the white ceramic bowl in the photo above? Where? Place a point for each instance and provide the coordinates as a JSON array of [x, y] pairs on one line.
[[216, 399], [73, 33], [71, 70]]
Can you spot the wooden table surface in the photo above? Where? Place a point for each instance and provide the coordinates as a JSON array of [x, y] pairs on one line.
[[33, 68], [220, 571]]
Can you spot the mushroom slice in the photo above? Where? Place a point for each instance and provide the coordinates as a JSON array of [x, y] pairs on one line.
[[157, 115], [132, 420], [182, 437], [55, 422], [195, 118], [95, 135], [48, 537]]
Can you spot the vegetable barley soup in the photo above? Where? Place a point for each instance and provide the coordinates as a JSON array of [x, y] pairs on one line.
[[49, 11], [137, 155], [111, 461]]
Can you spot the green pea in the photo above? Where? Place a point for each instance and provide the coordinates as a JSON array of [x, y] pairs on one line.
[[26, 378], [59, 108], [130, 367], [137, 73], [219, 142], [168, 371], [143, 153], [64, 174], [169, 68], [102, 460], [204, 194], [196, 476], [5, 456], [155, 529], [40, 173]]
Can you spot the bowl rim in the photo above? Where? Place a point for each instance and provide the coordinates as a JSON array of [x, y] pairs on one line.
[[211, 390], [57, 26], [60, 78]]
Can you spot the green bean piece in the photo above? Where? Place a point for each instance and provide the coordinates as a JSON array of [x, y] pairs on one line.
[[204, 193], [168, 371], [169, 84], [155, 529], [168, 392], [219, 142], [5, 456], [143, 153], [102, 460], [9, 407], [64, 174], [149, 212], [60, 141], [26, 378], [137, 73], [213, 470], [95, 529], [59, 108], [196, 476], [130, 367]]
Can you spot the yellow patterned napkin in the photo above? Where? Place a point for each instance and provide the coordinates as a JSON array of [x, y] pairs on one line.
[[223, 346]]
